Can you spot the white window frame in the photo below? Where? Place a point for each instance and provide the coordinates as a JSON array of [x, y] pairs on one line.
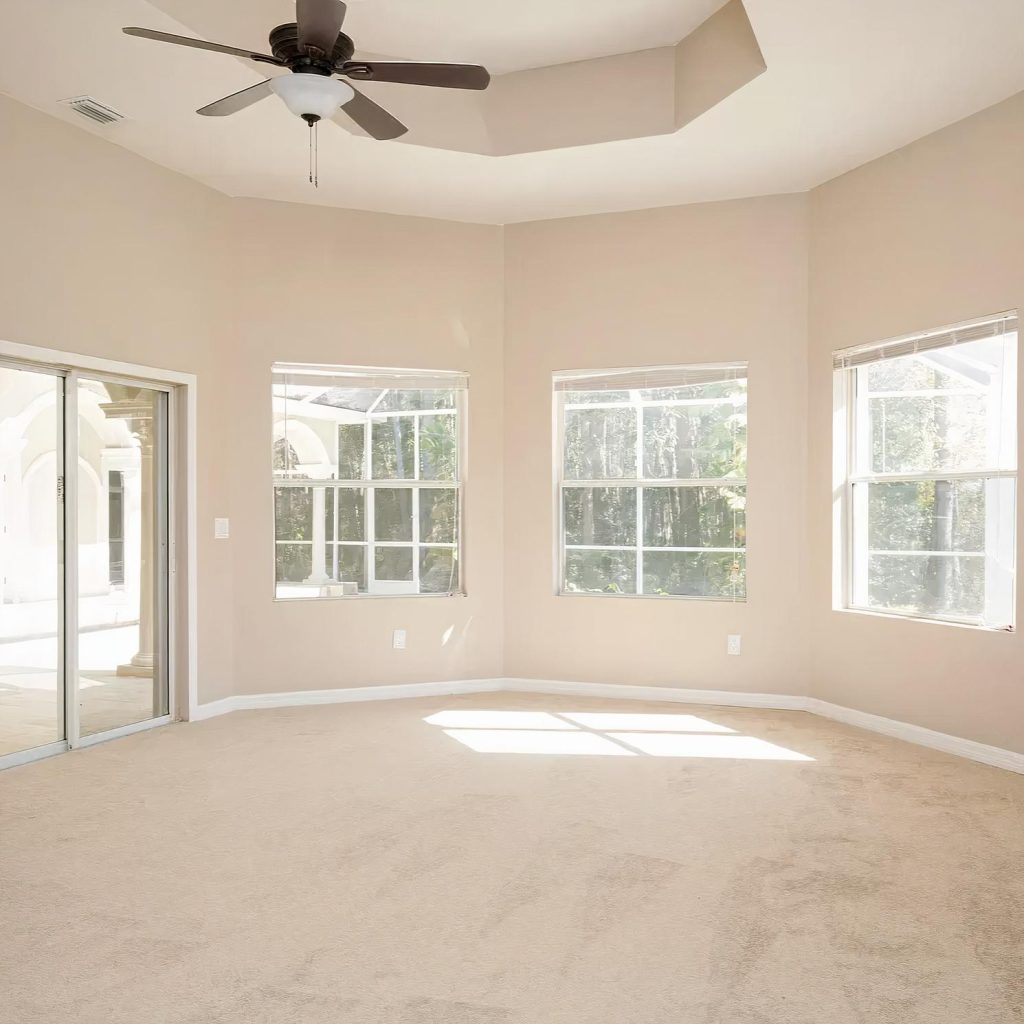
[[397, 379], [637, 483], [850, 418]]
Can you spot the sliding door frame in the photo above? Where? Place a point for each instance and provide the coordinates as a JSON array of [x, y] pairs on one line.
[[177, 560]]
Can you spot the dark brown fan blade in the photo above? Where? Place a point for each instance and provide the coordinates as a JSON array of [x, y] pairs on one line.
[[443, 76], [201, 44], [371, 117], [319, 23], [237, 100]]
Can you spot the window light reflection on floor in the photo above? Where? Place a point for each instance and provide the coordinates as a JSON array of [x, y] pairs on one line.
[[531, 741], [660, 744], [603, 734], [644, 723]]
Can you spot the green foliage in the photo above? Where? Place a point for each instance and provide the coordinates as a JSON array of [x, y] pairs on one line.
[[705, 439], [393, 448], [293, 513], [350, 451], [438, 448]]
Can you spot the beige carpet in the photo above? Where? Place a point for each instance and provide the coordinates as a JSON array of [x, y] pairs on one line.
[[357, 864]]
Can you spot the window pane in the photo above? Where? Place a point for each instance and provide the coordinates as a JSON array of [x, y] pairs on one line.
[[438, 515], [406, 400], [438, 448], [394, 448], [351, 565], [293, 562], [695, 517], [600, 572], [924, 548], [682, 442], [286, 460], [351, 514], [600, 515], [600, 444], [439, 571], [393, 564], [936, 515], [304, 454], [695, 574], [950, 586], [350, 451], [944, 410], [921, 435], [393, 513], [293, 513]]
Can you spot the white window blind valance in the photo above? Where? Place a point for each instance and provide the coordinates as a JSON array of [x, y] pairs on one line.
[[973, 330], [376, 378], [648, 378]]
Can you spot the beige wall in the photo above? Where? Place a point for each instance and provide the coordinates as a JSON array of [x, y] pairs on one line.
[[927, 236], [723, 281], [109, 255], [328, 286], [106, 254]]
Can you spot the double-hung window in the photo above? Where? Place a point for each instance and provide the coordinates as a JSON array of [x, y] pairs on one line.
[[925, 474], [367, 469], [651, 480]]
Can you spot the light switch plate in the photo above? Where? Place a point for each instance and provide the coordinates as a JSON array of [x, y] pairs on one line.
[[732, 645], [221, 529], [398, 640]]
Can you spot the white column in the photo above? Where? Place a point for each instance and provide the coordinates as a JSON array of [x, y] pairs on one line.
[[143, 660], [319, 571]]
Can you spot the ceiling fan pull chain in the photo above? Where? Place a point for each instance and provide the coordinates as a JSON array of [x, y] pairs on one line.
[[314, 155]]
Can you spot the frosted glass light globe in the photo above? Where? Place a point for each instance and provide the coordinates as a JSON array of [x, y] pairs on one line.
[[315, 96]]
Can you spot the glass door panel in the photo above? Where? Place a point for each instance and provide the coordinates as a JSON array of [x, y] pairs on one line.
[[31, 560], [121, 493]]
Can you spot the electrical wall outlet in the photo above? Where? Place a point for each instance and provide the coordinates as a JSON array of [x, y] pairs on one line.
[[732, 645], [398, 640], [221, 529]]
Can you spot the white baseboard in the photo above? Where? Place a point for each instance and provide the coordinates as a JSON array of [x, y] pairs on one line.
[[971, 749], [302, 698], [974, 751], [673, 695]]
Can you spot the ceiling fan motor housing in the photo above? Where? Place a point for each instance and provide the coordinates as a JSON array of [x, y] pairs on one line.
[[284, 44]]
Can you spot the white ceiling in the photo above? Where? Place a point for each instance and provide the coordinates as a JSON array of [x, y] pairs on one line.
[[847, 80], [509, 35]]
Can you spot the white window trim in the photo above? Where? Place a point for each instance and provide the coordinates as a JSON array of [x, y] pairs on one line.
[[559, 407], [382, 589], [845, 476]]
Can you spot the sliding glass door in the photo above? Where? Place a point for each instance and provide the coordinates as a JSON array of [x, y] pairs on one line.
[[122, 543], [83, 552], [31, 560]]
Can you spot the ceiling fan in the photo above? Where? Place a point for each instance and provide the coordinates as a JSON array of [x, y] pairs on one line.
[[315, 50]]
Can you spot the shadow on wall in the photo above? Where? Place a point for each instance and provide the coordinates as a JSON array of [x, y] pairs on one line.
[[605, 734]]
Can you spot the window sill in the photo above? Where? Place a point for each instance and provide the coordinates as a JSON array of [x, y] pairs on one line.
[[926, 620]]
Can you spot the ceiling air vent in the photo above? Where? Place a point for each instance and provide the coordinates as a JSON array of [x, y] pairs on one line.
[[93, 109]]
